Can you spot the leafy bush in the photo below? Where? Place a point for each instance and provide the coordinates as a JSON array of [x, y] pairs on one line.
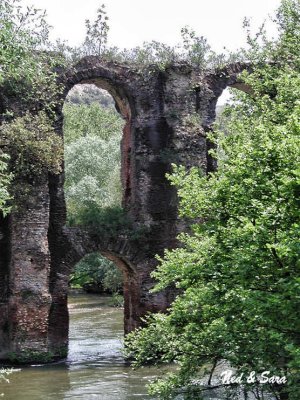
[[97, 271], [117, 300], [92, 161], [107, 222], [5, 179], [27, 71], [28, 80], [238, 271], [33, 145], [193, 50]]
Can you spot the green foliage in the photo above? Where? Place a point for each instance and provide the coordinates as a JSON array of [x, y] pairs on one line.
[[21, 32], [153, 52], [197, 51], [238, 271], [97, 270], [27, 71], [5, 179], [31, 356], [33, 145], [92, 187], [116, 300], [192, 50], [90, 120], [92, 161], [96, 34], [28, 80], [106, 222], [92, 175]]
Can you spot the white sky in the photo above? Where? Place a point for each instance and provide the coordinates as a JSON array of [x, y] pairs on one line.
[[134, 21]]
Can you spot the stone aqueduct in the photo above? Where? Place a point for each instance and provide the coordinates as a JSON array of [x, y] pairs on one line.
[[37, 250]]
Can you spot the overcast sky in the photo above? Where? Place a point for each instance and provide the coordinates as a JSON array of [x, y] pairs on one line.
[[134, 21]]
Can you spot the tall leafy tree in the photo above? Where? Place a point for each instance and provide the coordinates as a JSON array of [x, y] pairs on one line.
[[27, 70], [82, 120], [238, 271], [96, 33], [92, 159], [26, 74], [93, 182]]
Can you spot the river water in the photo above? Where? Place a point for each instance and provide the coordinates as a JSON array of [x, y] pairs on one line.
[[95, 368]]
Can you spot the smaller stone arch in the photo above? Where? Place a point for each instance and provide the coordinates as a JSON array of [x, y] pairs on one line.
[[123, 252], [211, 88]]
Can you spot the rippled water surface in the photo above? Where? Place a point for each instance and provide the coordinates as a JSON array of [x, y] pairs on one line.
[[95, 368]]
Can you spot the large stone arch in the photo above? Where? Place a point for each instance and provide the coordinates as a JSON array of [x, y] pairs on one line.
[[38, 250], [110, 78]]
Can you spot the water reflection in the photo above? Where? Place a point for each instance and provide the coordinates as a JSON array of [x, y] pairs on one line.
[[95, 368], [37, 383]]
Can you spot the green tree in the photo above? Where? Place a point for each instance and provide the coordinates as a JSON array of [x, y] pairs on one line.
[[238, 271], [26, 74], [96, 270], [92, 159], [96, 34], [82, 120], [93, 183], [27, 70], [197, 51], [32, 144]]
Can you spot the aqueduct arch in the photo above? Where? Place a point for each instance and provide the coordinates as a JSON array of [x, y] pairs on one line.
[[38, 250]]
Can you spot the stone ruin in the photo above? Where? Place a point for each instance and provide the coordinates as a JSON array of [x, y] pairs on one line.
[[167, 115]]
